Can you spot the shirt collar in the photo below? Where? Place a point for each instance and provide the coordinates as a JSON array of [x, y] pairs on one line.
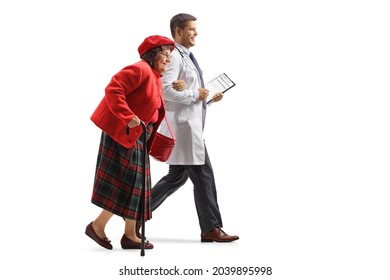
[[183, 49]]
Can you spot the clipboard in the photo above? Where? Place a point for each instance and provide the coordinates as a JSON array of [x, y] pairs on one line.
[[221, 83]]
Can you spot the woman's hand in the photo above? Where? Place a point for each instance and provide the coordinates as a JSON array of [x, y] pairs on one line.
[[179, 85], [134, 122]]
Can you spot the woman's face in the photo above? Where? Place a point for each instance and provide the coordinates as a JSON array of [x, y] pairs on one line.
[[162, 60]]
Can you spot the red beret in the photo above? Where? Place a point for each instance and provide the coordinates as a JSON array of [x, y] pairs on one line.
[[154, 41]]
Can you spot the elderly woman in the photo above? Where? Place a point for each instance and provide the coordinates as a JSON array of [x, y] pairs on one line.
[[133, 95]]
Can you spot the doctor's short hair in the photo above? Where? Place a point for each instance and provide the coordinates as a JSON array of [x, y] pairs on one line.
[[180, 20]]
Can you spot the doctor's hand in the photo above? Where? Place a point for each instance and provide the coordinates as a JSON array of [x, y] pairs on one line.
[[134, 122], [217, 97], [203, 93], [179, 85]]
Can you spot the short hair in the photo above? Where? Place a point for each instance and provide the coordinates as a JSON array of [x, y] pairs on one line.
[[180, 20]]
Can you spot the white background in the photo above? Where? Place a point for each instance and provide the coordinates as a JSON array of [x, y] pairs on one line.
[[300, 147]]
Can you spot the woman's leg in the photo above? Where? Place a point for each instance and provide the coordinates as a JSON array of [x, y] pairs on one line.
[[100, 223], [130, 231]]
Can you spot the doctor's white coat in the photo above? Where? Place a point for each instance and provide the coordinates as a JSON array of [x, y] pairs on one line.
[[183, 113]]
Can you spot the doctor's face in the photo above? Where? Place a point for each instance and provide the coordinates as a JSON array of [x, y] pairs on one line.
[[186, 36]]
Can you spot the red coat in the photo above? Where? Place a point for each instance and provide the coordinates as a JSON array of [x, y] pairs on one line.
[[136, 90]]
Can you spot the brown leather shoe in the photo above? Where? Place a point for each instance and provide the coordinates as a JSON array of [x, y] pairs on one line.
[[217, 235], [130, 244], [102, 242]]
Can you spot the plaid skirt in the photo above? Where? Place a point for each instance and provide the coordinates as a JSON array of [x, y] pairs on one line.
[[119, 179]]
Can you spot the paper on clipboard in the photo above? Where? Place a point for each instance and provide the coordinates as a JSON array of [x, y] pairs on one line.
[[222, 83]]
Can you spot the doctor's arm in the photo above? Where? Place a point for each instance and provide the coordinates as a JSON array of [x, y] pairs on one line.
[[173, 88]]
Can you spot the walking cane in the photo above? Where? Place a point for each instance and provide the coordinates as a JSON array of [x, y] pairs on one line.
[[144, 155], [143, 190]]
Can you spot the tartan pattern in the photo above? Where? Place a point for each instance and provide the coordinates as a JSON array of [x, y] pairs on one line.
[[119, 179]]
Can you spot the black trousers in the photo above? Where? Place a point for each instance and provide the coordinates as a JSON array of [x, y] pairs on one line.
[[205, 193]]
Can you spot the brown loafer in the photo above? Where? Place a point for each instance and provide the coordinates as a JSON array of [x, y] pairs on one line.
[[217, 235], [130, 244], [102, 242]]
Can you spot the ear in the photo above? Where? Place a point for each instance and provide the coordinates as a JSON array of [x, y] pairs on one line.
[[178, 31]]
